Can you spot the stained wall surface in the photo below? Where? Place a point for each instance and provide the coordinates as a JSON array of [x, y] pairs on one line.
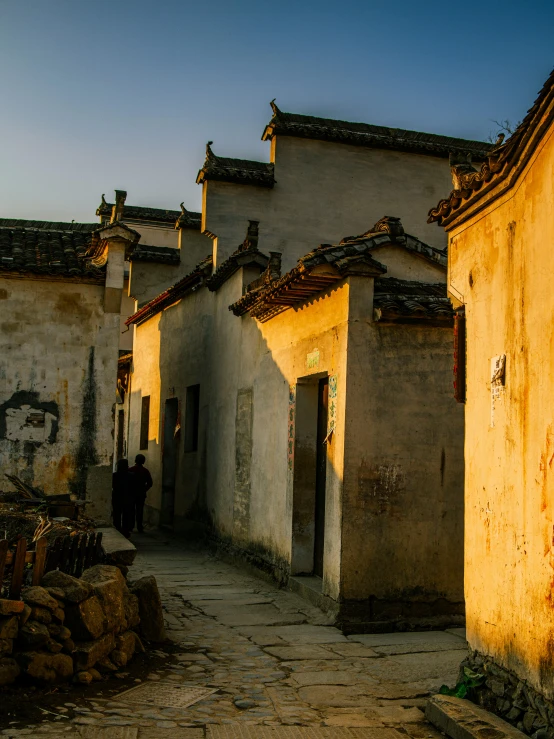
[[394, 493], [57, 386], [501, 264]]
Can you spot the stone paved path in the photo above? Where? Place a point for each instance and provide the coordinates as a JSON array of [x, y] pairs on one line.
[[269, 662]]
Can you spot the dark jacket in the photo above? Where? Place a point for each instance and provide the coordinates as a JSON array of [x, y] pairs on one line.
[[141, 480]]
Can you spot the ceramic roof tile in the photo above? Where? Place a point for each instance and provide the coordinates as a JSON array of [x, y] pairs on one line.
[[140, 213], [239, 171], [404, 301], [502, 166], [329, 263], [367, 134], [194, 279], [49, 251], [247, 254], [159, 254]]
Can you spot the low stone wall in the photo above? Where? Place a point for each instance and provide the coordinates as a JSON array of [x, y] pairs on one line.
[[503, 693], [69, 628]]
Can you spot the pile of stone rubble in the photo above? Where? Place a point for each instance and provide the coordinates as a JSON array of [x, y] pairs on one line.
[[78, 628]]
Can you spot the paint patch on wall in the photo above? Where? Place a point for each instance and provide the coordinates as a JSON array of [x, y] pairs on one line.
[[28, 424], [25, 418], [380, 488], [243, 463]]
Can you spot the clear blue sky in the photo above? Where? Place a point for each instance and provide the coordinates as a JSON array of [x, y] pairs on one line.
[[105, 94]]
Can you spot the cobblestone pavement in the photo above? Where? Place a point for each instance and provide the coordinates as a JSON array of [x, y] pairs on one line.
[[268, 663]]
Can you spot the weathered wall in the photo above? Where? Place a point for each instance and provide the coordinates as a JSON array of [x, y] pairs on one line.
[[288, 340], [403, 483], [500, 267], [323, 192], [394, 497], [184, 331], [62, 368]]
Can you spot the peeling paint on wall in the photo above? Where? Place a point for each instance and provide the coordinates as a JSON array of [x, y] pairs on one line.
[[24, 418]]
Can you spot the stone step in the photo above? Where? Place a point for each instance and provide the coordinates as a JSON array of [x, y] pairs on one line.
[[460, 719], [117, 548]]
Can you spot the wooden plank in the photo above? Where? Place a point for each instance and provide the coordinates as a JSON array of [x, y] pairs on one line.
[[18, 569], [91, 548], [81, 557], [29, 557], [73, 554], [3, 555], [54, 554], [65, 556], [41, 550], [98, 549]]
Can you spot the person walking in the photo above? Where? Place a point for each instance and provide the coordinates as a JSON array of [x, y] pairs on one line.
[[123, 509], [141, 483]]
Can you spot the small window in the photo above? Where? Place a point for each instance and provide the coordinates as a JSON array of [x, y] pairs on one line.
[[192, 416], [460, 355], [144, 422]]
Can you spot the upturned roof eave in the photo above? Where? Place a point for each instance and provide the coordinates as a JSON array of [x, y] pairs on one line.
[[503, 167]]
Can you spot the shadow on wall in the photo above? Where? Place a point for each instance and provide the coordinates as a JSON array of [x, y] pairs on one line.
[[365, 497]]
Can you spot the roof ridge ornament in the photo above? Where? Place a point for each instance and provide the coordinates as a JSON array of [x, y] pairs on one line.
[[460, 167], [210, 156], [274, 108], [250, 243], [391, 225]]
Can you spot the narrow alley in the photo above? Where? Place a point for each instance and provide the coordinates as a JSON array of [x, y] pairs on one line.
[[260, 662]]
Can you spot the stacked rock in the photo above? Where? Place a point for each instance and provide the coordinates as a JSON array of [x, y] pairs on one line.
[[78, 627]]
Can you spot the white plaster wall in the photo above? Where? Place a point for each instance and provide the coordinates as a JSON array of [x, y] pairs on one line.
[[48, 361], [156, 235], [149, 279], [324, 192]]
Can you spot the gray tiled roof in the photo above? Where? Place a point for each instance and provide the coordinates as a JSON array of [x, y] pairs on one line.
[[404, 301], [247, 254], [140, 213], [367, 134], [504, 164], [239, 171], [159, 254], [196, 278], [47, 225], [270, 296], [48, 250]]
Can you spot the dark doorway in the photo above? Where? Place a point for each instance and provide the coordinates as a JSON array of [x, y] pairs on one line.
[[169, 461], [120, 434], [310, 473], [321, 474]]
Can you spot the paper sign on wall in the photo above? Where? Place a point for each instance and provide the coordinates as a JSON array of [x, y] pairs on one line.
[[291, 426], [332, 410], [498, 381], [312, 359]]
